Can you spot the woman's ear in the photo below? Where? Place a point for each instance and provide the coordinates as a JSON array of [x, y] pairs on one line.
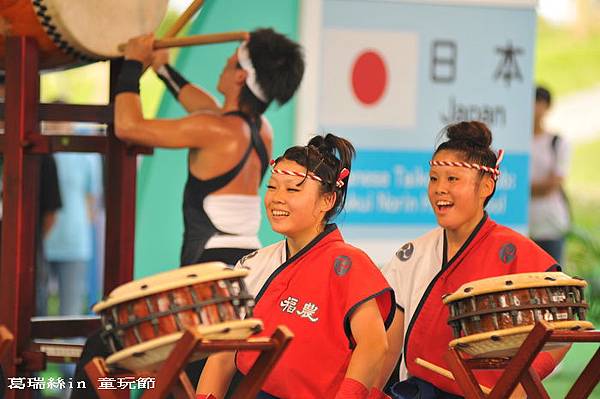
[[487, 186], [328, 201]]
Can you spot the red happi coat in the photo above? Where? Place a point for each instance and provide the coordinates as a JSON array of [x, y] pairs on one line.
[[492, 250], [314, 293]]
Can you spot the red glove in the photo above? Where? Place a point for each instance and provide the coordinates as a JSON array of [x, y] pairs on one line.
[[352, 389], [543, 364], [375, 393], [205, 396]]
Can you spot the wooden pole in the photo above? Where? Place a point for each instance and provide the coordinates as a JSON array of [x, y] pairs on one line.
[[444, 372], [196, 40], [183, 19]]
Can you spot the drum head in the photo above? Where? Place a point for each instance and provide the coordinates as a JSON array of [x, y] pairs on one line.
[[513, 282], [506, 343], [148, 356], [95, 28], [161, 282]]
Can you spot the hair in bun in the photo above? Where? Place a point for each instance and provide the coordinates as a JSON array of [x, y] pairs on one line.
[[473, 139], [474, 133]]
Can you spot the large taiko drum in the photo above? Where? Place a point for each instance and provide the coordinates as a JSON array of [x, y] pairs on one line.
[[492, 317], [78, 31], [143, 319]]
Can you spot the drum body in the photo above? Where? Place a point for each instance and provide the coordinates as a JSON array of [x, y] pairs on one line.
[[70, 33], [492, 317], [143, 319]]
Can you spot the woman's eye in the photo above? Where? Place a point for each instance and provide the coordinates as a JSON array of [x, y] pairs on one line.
[[432, 178], [452, 178], [292, 190], [270, 187]]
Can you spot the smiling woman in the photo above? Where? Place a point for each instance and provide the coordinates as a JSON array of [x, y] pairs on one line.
[[462, 180], [294, 281], [310, 181], [467, 246]]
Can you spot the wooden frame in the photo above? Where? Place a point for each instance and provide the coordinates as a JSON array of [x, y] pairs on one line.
[[19, 144], [518, 369], [171, 379]]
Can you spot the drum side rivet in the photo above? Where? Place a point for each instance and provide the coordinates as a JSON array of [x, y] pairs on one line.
[[468, 289], [549, 278], [257, 328], [145, 286], [495, 338], [139, 354], [508, 282], [193, 275]]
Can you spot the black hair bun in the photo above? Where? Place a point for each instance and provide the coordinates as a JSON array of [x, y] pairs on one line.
[[324, 144], [476, 133]]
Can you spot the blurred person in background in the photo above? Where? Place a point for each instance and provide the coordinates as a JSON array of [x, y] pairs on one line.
[[549, 213], [68, 247], [49, 203]]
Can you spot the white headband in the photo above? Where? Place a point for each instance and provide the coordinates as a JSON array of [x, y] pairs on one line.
[[246, 63]]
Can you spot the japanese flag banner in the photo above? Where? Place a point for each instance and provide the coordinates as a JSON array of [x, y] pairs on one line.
[[369, 78]]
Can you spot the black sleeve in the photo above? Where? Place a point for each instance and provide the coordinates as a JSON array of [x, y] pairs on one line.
[[172, 79], [49, 190]]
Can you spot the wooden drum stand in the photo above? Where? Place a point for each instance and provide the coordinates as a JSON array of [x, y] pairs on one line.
[[170, 379], [518, 368]]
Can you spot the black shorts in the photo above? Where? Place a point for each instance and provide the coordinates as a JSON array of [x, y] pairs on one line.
[[226, 255]]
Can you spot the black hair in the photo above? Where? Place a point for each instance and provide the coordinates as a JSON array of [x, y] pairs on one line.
[[325, 156], [279, 65], [542, 94], [473, 140]]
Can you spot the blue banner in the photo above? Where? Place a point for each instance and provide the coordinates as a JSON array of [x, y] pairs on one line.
[[392, 74]]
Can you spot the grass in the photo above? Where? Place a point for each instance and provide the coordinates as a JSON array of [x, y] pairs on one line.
[[564, 61], [582, 182], [559, 383], [583, 190], [583, 258]]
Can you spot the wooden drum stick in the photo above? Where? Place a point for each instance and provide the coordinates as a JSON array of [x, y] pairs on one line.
[[444, 372], [201, 39], [183, 19], [197, 40]]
